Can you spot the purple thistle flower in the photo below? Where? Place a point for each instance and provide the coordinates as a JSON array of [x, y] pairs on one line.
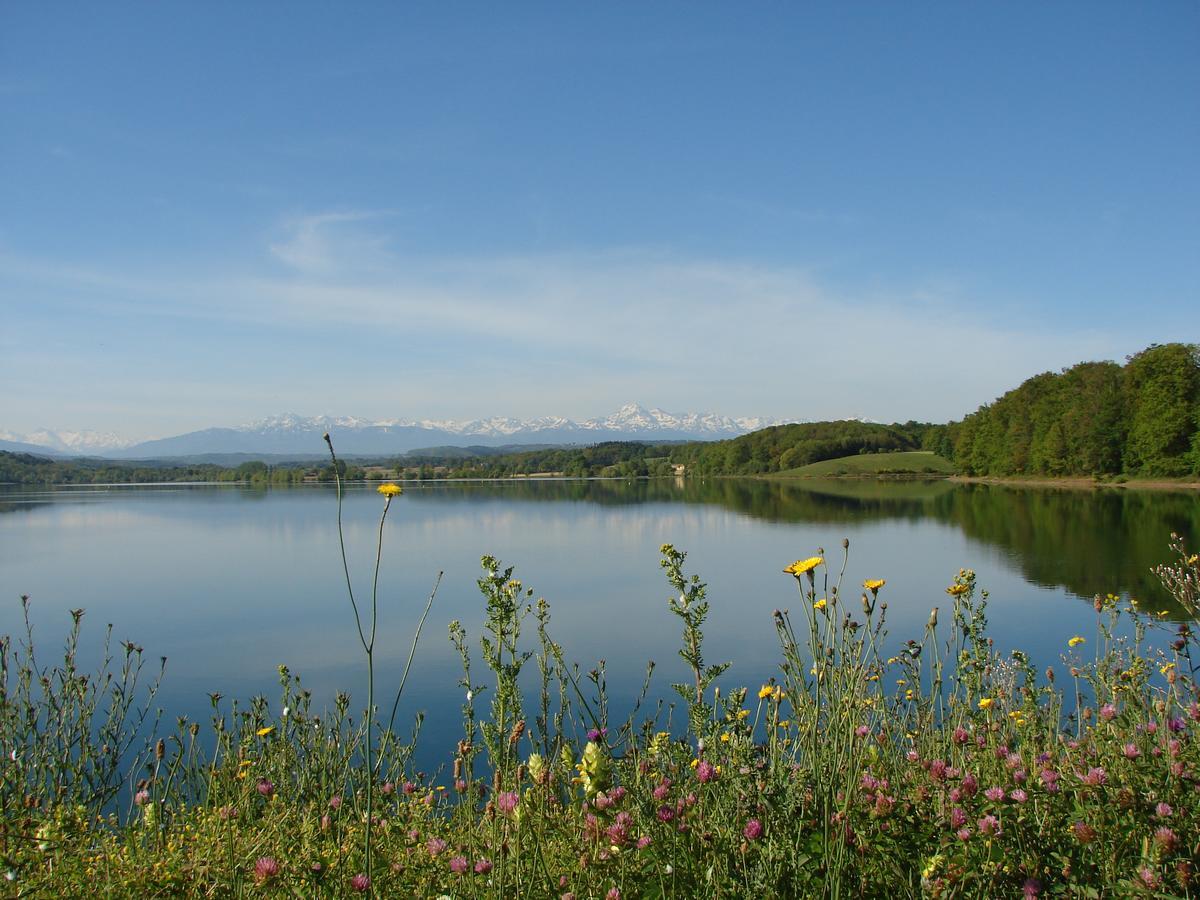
[[1019, 795], [862, 731], [1163, 810], [665, 814], [483, 866], [995, 794], [1131, 751], [705, 771], [1166, 838], [360, 883], [1031, 888], [1108, 712], [961, 735], [989, 825], [335, 802], [613, 894], [141, 798], [459, 865], [435, 846], [643, 842], [594, 734], [963, 834], [753, 830], [1084, 833], [265, 869], [506, 802], [662, 789], [958, 817], [265, 787], [1096, 776]]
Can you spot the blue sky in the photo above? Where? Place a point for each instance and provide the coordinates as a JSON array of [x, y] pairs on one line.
[[211, 213]]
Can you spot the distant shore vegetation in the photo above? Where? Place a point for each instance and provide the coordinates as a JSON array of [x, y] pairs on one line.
[[1096, 420]]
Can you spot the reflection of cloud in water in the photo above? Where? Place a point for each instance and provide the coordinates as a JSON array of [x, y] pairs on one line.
[[230, 583]]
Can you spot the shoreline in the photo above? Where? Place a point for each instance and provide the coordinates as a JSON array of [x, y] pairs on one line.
[[1078, 483]]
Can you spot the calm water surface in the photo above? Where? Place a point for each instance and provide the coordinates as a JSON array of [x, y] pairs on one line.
[[229, 582]]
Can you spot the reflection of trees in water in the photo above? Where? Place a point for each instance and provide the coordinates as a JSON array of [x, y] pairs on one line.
[[1088, 541]]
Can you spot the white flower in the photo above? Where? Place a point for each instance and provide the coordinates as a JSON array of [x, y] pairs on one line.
[[469, 696], [286, 710]]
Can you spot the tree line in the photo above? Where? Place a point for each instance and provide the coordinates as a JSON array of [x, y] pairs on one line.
[[1093, 419], [1096, 419]]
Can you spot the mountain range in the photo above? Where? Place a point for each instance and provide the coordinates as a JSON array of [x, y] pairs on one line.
[[301, 436]]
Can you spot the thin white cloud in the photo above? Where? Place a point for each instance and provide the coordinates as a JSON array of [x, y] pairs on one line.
[[315, 243], [570, 334]]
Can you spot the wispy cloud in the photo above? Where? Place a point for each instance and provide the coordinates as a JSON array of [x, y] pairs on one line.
[[575, 334], [320, 242]]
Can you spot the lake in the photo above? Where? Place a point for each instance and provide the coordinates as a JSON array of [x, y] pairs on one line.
[[229, 582]]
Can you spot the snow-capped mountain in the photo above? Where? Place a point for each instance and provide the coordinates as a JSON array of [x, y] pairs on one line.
[[296, 435], [80, 443]]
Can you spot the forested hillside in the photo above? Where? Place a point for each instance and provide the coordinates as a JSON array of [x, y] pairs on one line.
[[790, 446], [1096, 418]]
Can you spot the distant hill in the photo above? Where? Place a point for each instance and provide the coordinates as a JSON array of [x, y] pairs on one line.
[[903, 462], [297, 437], [22, 447], [786, 447]]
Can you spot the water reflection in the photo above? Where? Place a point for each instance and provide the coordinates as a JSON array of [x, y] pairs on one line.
[[230, 582]]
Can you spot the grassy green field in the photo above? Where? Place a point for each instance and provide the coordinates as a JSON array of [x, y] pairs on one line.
[[912, 462]]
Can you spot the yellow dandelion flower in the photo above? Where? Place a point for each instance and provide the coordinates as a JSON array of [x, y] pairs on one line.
[[1166, 668], [1191, 560], [263, 732], [765, 691], [390, 490], [725, 738], [742, 714], [800, 566], [820, 604], [956, 590], [908, 694], [986, 702], [785, 723], [1076, 641], [245, 764], [874, 584], [694, 763]]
